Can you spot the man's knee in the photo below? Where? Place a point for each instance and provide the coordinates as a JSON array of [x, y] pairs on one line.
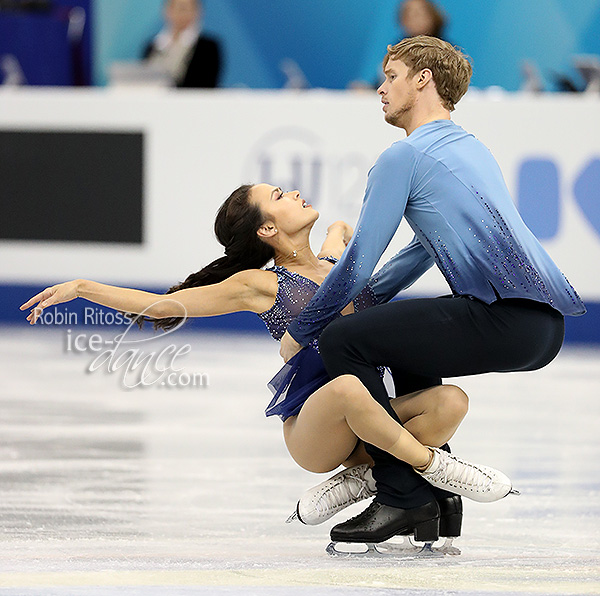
[[334, 337]]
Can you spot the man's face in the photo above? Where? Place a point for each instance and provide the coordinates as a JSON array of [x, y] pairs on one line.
[[398, 93], [181, 13]]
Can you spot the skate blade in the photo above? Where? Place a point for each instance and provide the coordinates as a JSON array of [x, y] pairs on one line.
[[442, 546], [514, 491], [447, 548], [292, 518], [404, 550]]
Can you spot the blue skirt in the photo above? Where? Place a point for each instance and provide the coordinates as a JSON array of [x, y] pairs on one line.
[[299, 378]]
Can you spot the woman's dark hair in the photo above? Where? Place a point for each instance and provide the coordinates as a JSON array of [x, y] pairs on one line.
[[236, 225]]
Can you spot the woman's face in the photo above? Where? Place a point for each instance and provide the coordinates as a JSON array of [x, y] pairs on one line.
[[288, 211]]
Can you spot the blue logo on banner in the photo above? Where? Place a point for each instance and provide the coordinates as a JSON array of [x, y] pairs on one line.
[[291, 158], [538, 195], [297, 158], [587, 193]]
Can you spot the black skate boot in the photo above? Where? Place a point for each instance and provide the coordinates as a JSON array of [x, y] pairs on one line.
[[379, 522], [451, 514]]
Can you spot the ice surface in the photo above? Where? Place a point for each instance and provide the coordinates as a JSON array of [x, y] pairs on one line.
[[182, 491]]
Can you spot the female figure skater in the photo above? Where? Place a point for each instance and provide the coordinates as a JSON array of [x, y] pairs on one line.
[[323, 419]]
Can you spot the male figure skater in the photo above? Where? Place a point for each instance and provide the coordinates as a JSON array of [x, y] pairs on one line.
[[506, 311]]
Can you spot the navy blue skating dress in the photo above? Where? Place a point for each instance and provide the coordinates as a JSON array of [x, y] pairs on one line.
[[303, 374]]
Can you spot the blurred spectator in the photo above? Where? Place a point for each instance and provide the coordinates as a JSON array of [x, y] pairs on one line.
[[415, 17], [190, 58], [421, 17]]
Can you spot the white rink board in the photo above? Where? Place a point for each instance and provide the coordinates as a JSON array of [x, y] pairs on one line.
[[200, 145]]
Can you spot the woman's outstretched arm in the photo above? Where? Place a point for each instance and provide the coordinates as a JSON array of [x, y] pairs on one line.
[[252, 290]]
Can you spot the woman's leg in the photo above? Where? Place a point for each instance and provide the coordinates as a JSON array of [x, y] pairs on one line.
[[431, 415], [324, 433], [358, 456]]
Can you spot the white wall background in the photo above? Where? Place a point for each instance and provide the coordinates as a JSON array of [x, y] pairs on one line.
[[201, 145]]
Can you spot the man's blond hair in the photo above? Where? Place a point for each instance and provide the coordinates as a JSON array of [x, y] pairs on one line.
[[451, 69]]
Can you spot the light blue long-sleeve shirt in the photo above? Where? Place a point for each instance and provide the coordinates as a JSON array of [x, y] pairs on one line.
[[451, 191]]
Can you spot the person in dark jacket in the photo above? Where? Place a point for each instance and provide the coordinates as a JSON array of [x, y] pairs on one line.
[[190, 58]]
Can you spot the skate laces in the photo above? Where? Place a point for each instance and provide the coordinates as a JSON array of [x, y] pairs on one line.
[[348, 490], [373, 506], [453, 470]]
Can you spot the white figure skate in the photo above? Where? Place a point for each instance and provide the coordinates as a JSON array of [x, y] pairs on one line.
[[320, 503], [479, 483]]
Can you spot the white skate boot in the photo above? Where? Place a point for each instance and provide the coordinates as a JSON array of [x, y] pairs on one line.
[[323, 501], [461, 477]]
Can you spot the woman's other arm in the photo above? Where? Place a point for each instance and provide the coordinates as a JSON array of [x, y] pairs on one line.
[[338, 236]]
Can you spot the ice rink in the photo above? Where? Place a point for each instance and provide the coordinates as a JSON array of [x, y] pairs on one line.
[[182, 491]]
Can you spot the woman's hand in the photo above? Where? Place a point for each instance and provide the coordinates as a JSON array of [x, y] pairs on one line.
[[289, 347], [342, 228], [339, 233], [51, 296]]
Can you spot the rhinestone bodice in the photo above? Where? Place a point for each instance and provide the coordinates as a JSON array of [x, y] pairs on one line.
[[293, 294]]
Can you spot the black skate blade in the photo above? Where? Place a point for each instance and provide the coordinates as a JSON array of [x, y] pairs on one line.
[[291, 518], [514, 491], [399, 550]]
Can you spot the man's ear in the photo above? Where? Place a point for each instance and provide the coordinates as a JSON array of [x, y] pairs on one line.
[[267, 230], [424, 77]]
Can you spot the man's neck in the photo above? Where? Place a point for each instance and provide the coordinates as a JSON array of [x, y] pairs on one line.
[[419, 119]]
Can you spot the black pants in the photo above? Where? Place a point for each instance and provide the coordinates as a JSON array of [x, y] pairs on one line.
[[425, 339]]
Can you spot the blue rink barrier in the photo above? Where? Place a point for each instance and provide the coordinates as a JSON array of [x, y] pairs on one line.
[[585, 329]]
